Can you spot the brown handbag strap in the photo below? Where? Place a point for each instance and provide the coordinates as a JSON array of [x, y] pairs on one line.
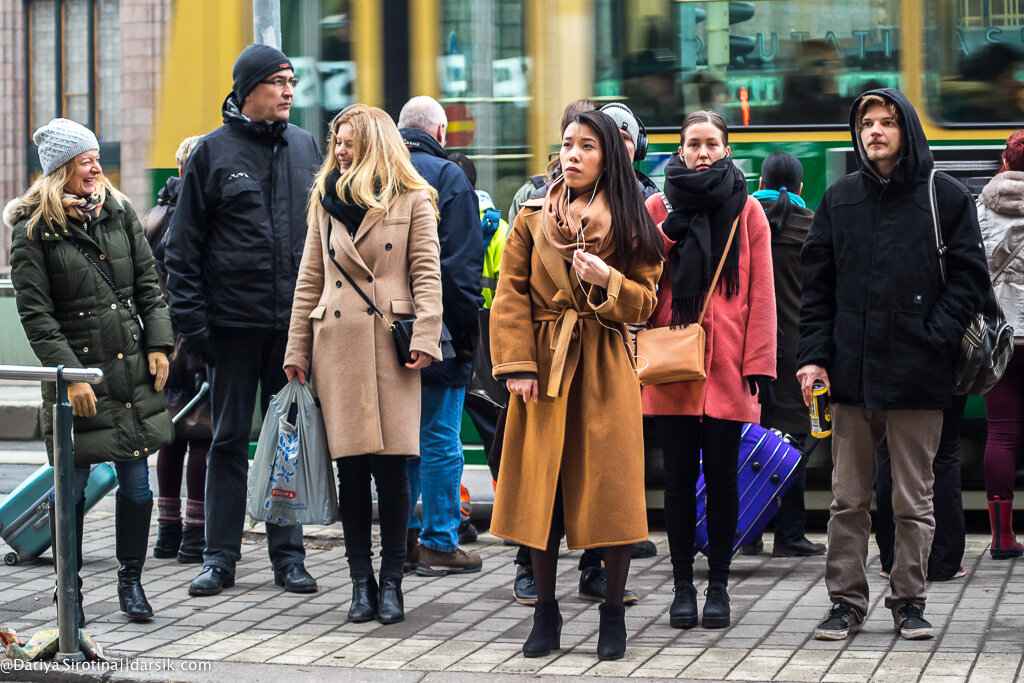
[[721, 263]]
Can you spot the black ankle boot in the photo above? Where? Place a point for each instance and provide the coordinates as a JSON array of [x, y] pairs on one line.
[[131, 535], [547, 630], [168, 540], [716, 606], [683, 612], [79, 530], [364, 599], [193, 542], [611, 636], [390, 603]]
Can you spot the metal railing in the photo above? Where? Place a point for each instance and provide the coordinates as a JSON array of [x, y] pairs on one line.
[[63, 504]]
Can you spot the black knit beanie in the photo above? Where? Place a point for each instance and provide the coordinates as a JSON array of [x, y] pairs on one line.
[[254, 64]]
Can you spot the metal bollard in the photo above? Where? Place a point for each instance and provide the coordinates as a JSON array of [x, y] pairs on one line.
[[64, 543]]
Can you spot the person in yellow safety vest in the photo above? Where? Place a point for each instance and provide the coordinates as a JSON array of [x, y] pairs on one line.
[[483, 413]]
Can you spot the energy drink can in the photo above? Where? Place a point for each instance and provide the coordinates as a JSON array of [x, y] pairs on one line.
[[821, 412]]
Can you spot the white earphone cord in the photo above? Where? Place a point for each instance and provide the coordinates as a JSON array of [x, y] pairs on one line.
[[581, 244]]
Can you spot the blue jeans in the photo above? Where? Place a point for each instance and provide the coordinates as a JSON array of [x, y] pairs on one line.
[[438, 470], [132, 481]]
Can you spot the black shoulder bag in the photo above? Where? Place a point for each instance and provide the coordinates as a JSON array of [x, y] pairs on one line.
[[401, 330], [110, 283], [987, 344]]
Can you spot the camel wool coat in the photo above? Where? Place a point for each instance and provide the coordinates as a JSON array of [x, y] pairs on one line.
[[586, 430], [370, 403], [741, 331]]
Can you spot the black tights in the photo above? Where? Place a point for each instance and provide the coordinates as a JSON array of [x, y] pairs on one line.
[[355, 504], [545, 562], [682, 437]]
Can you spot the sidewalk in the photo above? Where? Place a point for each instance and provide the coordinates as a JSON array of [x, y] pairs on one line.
[[470, 625]]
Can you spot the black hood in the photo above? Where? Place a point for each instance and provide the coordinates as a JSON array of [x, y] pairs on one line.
[[168, 194], [420, 140], [232, 114], [916, 161]]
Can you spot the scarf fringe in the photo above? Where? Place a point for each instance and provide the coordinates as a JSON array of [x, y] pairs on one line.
[[686, 309]]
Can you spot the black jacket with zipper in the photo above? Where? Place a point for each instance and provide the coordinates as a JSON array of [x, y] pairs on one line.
[[233, 249], [876, 314]]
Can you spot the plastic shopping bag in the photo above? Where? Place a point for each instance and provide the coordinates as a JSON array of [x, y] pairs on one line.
[[292, 479]]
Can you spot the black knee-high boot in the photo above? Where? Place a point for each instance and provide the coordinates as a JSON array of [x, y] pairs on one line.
[[132, 538], [79, 529]]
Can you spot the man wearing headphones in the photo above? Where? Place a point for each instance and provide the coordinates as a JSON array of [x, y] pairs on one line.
[[635, 136]]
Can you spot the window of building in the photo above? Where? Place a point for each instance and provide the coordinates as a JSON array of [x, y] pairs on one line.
[[975, 61], [484, 81], [74, 70], [770, 62]]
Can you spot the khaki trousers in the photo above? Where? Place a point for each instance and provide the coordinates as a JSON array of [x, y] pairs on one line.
[[913, 437]]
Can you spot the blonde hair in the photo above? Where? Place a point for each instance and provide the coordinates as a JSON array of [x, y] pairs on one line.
[[185, 150], [44, 199], [381, 169]]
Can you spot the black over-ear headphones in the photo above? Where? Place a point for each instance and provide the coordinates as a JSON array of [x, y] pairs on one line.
[[640, 144]]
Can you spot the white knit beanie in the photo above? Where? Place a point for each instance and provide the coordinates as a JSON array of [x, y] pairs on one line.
[[60, 141]]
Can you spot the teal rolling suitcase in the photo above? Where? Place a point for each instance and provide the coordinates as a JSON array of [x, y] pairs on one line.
[[25, 514]]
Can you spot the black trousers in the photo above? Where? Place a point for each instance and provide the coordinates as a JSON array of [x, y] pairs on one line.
[[247, 359], [355, 503], [948, 543], [682, 438]]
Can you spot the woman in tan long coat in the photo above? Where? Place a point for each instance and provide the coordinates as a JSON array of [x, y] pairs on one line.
[[577, 266], [373, 217]]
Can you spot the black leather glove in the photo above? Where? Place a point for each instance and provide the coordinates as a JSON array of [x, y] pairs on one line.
[[761, 386], [199, 345]]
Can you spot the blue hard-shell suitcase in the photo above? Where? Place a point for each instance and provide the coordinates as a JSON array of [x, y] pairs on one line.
[[767, 465], [25, 514]]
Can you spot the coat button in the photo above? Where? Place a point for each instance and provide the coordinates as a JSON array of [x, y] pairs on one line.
[[85, 349], [103, 257], [388, 246], [337, 314], [120, 355], [145, 450], [135, 336], [136, 453], [127, 405], [338, 283], [369, 278], [113, 306], [330, 252], [369, 311]]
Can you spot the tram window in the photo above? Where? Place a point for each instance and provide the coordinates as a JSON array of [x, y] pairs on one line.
[[769, 62], [974, 61]]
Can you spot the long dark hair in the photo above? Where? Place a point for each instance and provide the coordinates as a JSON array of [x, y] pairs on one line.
[[635, 236], [781, 170]]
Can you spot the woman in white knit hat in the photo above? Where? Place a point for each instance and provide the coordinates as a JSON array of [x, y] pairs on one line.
[[88, 296]]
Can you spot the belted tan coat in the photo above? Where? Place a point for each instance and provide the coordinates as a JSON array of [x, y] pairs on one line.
[[370, 403], [586, 430]]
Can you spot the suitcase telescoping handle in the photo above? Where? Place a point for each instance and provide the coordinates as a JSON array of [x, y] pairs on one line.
[[192, 404]]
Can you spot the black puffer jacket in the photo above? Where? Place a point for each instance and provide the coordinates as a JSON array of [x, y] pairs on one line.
[[236, 237], [875, 312], [72, 317]]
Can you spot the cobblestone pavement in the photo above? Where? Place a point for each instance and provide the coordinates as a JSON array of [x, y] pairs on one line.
[[469, 628]]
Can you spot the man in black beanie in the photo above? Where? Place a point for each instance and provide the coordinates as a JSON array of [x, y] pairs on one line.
[[232, 256]]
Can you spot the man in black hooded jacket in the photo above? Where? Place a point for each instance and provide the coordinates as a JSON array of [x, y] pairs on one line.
[[880, 326], [232, 257]]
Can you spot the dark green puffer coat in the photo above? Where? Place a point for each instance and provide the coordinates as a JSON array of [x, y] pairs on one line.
[[72, 318]]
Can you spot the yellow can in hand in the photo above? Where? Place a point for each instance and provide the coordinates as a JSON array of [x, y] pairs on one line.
[[821, 412]]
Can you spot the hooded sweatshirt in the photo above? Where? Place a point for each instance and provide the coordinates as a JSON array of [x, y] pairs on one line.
[[876, 313], [1001, 215]]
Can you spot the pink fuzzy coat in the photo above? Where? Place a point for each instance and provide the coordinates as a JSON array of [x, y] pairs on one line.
[[741, 332]]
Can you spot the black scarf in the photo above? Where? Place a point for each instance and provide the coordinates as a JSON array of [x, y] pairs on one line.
[[346, 211], [704, 205]]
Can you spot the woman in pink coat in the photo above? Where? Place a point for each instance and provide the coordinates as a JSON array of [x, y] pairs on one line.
[[704, 194]]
